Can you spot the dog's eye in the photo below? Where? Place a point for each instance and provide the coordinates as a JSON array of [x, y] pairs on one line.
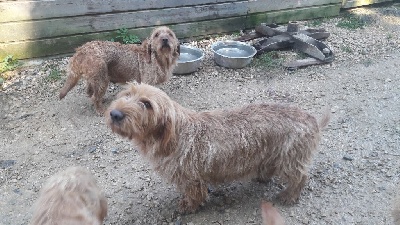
[[157, 34], [146, 104]]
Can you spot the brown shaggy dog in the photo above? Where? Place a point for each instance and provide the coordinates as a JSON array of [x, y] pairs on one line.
[[271, 215], [101, 62], [70, 197], [192, 149], [396, 209]]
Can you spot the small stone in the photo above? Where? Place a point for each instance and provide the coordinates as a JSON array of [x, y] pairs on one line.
[[92, 149], [348, 158], [6, 163]]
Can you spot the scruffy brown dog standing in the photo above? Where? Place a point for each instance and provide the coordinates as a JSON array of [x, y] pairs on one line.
[[192, 149], [101, 62], [70, 197]]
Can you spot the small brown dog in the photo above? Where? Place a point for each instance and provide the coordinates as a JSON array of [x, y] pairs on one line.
[[271, 215], [101, 62], [70, 197], [192, 149]]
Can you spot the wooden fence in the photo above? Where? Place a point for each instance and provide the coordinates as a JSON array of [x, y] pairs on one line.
[[38, 28], [356, 3]]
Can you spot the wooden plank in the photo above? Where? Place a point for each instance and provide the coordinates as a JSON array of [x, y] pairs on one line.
[[35, 10], [30, 30], [357, 3], [272, 5], [295, 14], [62, 45]]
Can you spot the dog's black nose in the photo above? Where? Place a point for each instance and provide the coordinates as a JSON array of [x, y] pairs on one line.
[[165, 40], [116, 115]]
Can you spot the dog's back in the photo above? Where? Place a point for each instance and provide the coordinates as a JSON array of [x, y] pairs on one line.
[[70, 197], [116, 61]]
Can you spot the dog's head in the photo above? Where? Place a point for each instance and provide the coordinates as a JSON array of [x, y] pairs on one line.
[[66, 195], [142, 113], [163, 41]]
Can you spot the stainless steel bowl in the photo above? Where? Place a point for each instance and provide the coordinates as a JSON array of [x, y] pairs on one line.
[[189, 60], [233, 54]]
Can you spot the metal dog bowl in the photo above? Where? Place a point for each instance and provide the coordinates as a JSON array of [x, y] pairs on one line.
[[189, 60], [233, 54]]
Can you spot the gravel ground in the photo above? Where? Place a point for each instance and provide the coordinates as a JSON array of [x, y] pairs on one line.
[[353, 178]]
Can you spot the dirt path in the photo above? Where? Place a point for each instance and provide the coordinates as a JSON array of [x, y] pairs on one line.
[[352, 181]]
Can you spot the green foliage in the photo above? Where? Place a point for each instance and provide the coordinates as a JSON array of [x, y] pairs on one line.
[[235, 34], [124, 37], [351, 22], [346, 49], [268, 60], [302, 55], [316, 22], [8, 63], [368, 62], [54, 75]]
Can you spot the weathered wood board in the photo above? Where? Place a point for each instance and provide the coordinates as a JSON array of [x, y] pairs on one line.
[[39, 28], [357, 3], [62, 45]]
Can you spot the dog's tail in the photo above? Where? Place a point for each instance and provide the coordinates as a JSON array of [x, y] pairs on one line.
[[71, 81], [323, 122]]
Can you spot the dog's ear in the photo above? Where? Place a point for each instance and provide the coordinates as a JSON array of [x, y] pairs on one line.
[[177, 51], [167, 134], [147, 48], [149, 53]]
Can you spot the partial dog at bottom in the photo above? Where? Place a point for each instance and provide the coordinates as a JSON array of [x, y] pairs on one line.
[[70, 197]]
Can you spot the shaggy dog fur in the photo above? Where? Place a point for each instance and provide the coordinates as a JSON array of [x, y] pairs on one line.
[[396, 209], [271, 215], [101, 62], [70, 197], [192, 149]]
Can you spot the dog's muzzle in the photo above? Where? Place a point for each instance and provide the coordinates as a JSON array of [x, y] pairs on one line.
[[116, 115], [165, 42]]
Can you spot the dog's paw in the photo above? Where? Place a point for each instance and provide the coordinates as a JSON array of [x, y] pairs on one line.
[[287, 199], [186, 207]]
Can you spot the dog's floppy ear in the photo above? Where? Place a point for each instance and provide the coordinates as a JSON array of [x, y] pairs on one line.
[[169, 131], [177, 51], [147, 48], [149, 53], [166, 134]]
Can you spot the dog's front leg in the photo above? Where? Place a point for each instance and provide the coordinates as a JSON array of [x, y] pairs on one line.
[[194, 193]]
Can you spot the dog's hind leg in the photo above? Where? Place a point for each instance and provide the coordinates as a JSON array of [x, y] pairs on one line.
[[295, 184], [265, 174], [71, 82], [97, 86]]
